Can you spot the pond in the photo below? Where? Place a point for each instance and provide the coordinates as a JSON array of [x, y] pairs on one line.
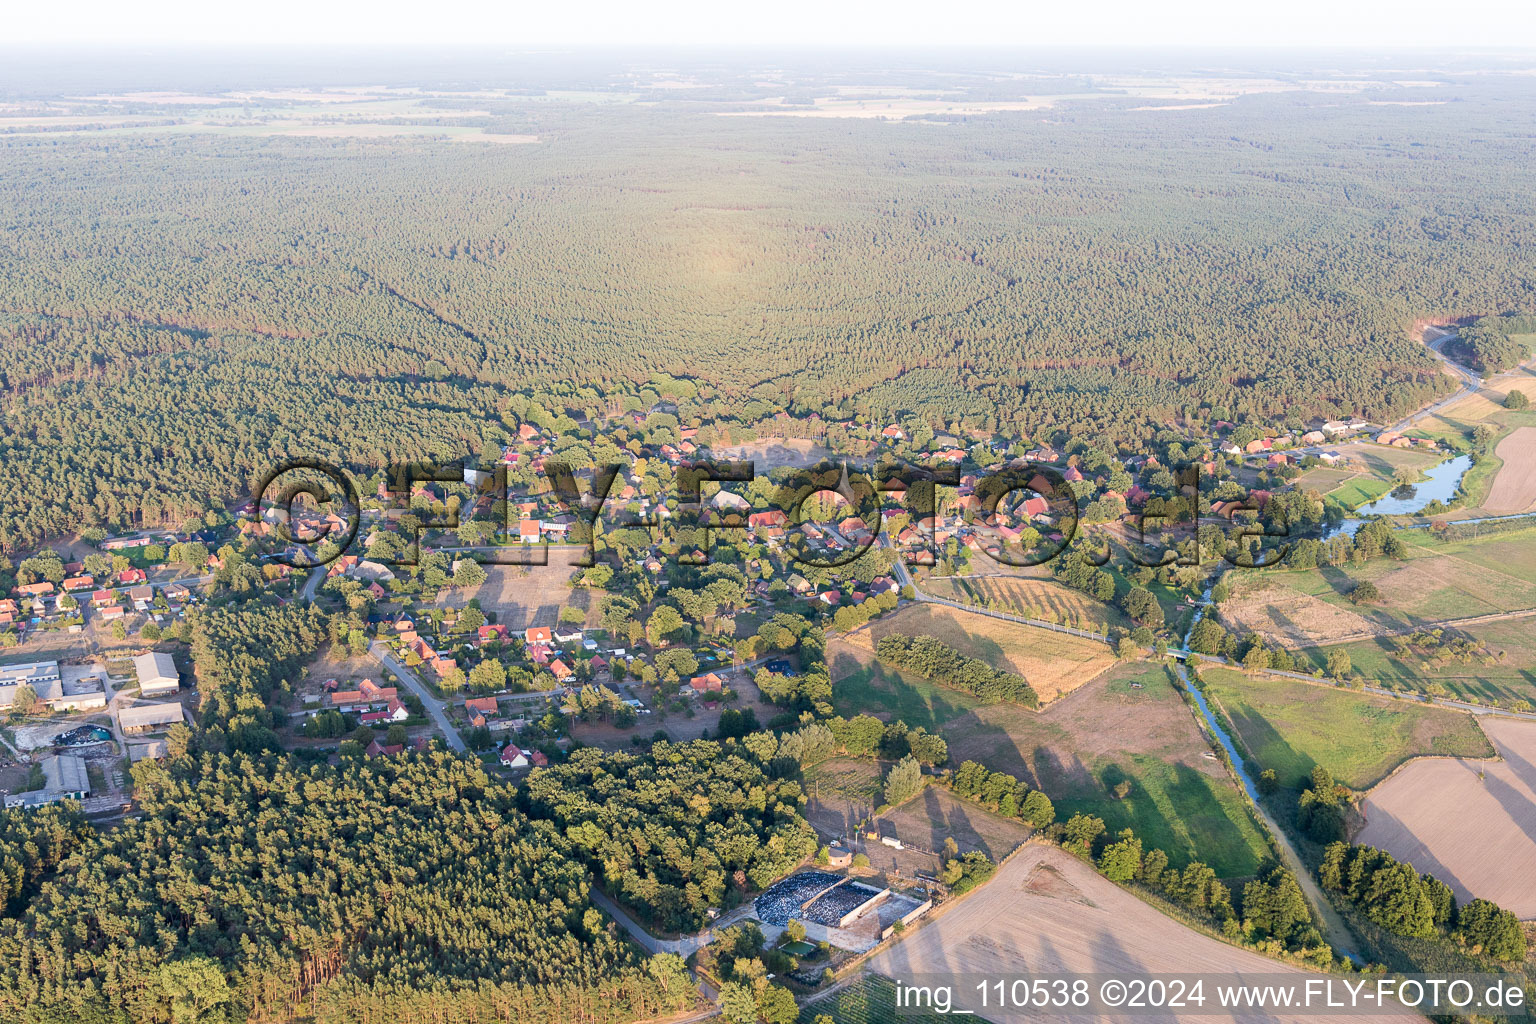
[[1439, 484]]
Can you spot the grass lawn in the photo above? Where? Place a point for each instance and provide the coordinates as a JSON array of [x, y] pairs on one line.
[[1291, 726], [1360, 491], [863, 686], [1129, 725]]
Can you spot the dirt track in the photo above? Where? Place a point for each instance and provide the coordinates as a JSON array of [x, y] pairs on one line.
[[1047, 912], [1514, 488]]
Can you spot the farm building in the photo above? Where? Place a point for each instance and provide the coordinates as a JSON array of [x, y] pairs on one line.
[[42, 676], [836, 909], [64, 778], [157, 674], [143, 717]]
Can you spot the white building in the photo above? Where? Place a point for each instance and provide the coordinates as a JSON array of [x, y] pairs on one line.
[[42, 676]]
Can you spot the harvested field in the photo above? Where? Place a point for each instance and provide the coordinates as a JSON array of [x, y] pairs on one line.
[[1514, 489], [1049, 911], [1291, 618], [1053, 663], [1426, 813], [1292, 726], [1034, 598], [1128, 726]]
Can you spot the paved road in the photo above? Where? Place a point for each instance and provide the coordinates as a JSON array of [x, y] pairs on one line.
[[1470, 381], [432, 704], [313, 583]]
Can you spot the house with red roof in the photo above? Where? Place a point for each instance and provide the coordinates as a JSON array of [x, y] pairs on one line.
[[490, 632], [707, 683], [481, 705], [537, 635], [377, 749], [128, 576], [513, 757], [560, 670], [79, 583]]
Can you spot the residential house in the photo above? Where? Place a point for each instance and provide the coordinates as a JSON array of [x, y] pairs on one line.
[[537, 635], [481, 705], [707, 683]]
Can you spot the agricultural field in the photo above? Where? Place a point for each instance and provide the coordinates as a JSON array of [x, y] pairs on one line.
[[1426, 814], [1292, 726], [1050, 911], [937, 814], [1505, 670], [1514, 488], [1054, 663], [1042, 598], [1440, 581], [1128, 726]]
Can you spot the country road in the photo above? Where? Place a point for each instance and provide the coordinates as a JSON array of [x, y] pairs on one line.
[[1470, 381], [684, 946], [432, 704]]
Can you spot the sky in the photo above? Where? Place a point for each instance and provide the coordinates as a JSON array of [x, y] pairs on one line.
[[1374, 24]]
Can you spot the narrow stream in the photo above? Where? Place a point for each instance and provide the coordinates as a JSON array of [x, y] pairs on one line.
[[1332, 926]]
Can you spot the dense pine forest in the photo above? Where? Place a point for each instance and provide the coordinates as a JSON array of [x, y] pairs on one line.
[[179, 311]]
